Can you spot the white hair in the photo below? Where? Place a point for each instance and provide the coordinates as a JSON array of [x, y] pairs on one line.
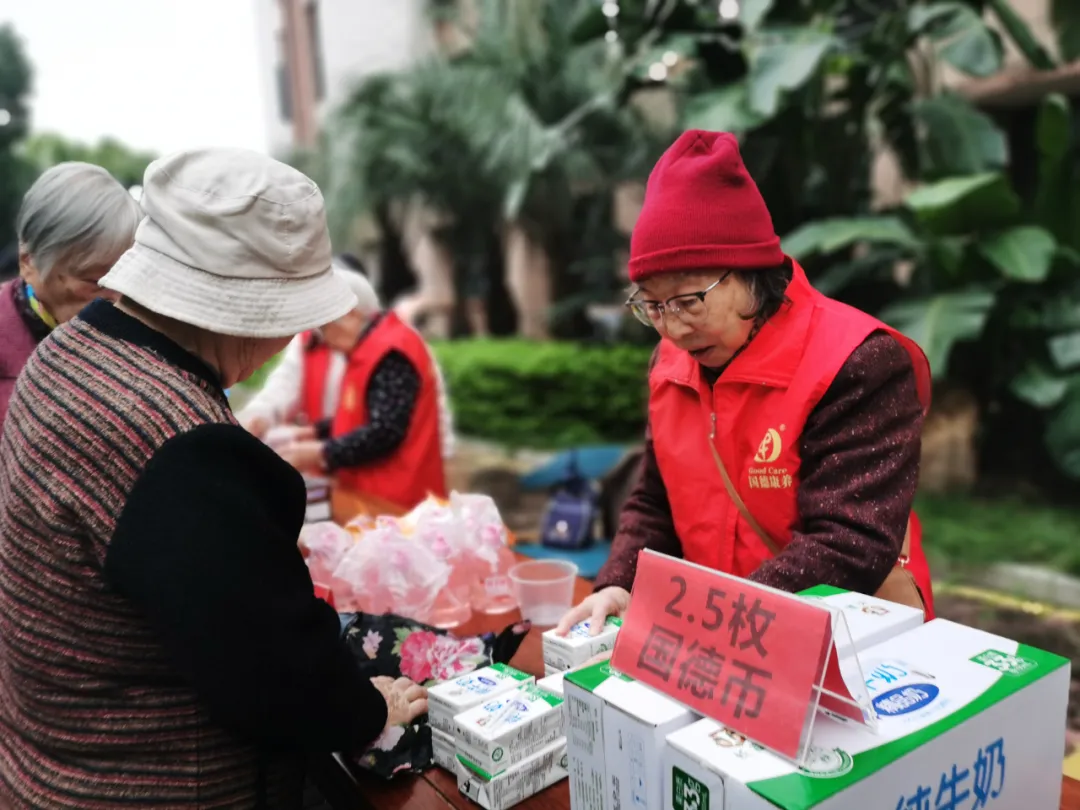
[[76, 216], [367, 300]]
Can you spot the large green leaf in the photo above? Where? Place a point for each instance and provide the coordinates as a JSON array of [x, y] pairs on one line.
[[958, 139], [962, 204], [938, 322], [1054, 194], [753, 12], [726, 109], [1023, 254], [1063, 432], [1065, 17], [1065, 350], [1039, 386], [1020, 33], [830, 235], [963, 38], [782, 63]]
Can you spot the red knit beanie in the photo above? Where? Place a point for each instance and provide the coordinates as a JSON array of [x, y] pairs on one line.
[[702, 211]]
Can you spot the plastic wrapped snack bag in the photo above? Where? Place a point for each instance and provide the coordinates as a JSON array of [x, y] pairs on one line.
[[387, 572], [324, 545], [435, 525], [486, 536]]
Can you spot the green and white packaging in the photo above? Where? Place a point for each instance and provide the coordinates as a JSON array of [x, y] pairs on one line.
[[508, 728], [870, 620], [442, 746], [553, 683], [450, 698], [966, 720], [516, 783], [577, 646], [615, 730]]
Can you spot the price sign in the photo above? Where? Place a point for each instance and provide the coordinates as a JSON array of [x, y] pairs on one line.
[[747, 656]]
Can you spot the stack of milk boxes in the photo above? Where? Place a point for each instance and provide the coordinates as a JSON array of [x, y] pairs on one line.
[[500, 732], [617, 729]]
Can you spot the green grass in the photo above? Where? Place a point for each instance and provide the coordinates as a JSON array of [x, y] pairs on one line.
[[973, 532]]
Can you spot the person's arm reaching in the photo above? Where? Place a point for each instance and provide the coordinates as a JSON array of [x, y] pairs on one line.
[[860, 468], [279, 398], [206, 549]]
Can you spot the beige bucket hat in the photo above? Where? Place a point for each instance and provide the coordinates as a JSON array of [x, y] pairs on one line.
[[235, 242]]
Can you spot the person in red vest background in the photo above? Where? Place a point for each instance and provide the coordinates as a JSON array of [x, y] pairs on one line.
[[364, 401], [784, 428]]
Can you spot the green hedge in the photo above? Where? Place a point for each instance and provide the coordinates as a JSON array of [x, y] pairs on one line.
[[546, 395]]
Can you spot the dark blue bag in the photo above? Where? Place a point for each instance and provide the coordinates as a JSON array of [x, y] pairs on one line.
[[570, 518]]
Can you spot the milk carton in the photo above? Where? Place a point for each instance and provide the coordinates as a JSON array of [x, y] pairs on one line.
[[576, 647], [442, 747], [615, 730], [508, 728], [516, 783], [966, 720], [451, 698], [553, 683], [870, 620]]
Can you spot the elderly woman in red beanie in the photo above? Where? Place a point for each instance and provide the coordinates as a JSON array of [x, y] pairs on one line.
[[784, 427]]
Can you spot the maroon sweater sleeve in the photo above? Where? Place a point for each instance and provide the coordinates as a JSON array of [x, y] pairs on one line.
[[860, 466]]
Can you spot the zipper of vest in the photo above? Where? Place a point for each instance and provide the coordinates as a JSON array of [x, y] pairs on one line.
[[712, 432]]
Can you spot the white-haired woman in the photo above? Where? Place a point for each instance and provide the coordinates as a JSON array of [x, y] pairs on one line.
[[74, 223], [366, 402], [161, 644]]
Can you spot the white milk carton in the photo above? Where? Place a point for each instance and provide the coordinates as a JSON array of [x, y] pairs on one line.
[[450, 698], [442, 746], [508, 728], [553, 683], [615, 730], [516, 783], [870, 620], [576, 647], [966, 720]]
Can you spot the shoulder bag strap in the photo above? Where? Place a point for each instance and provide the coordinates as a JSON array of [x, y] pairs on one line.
[[765, 538]]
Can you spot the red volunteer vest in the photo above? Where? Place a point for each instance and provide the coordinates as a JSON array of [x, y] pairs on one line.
[[758, 408], [415, 469]]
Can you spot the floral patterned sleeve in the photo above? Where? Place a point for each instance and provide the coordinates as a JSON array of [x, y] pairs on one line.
[[391, 398]]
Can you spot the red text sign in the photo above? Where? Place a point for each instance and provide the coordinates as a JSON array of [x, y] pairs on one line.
[[746, 656]]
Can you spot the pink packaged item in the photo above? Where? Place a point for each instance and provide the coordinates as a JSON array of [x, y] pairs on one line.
[[324, 545], [388, 572], [486, 537], [434, 524]]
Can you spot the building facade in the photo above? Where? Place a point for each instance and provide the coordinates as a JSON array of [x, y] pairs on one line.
[[312, 52]]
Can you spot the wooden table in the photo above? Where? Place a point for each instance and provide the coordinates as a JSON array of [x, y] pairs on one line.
[[436, 789]]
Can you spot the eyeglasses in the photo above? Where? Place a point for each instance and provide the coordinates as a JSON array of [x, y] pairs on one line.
[[690, 308]]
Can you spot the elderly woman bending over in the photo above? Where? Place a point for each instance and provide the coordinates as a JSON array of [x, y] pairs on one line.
[[161, 644], [74, 223]]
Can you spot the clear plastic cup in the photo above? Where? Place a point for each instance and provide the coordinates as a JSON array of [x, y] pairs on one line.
[[544, 589]]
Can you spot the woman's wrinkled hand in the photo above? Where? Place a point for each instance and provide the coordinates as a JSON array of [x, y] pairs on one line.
[[611, 601], [405, 700]]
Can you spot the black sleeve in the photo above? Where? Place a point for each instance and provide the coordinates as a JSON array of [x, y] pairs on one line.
[[206, 548], [391, 397]]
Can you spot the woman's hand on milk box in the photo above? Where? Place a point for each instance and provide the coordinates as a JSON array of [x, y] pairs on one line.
[[612, 601]]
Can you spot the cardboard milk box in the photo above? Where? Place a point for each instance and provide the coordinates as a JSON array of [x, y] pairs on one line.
[[508, 728], [553, 683], [576, 647], [967, 720], [870, 620], [615, 730], [450, 698], [443, 750], [517, 782]]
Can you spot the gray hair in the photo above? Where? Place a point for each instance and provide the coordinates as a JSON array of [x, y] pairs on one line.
[[76, 216], [367, 300]]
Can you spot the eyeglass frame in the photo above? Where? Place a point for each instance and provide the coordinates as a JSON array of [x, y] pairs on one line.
[[665, 305]]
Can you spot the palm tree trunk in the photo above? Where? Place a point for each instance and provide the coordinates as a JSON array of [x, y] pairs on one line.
[[528, 279], [433, 264]]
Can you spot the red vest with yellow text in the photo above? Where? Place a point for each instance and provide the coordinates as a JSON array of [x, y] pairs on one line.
[[759, 407], [415, 469]]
